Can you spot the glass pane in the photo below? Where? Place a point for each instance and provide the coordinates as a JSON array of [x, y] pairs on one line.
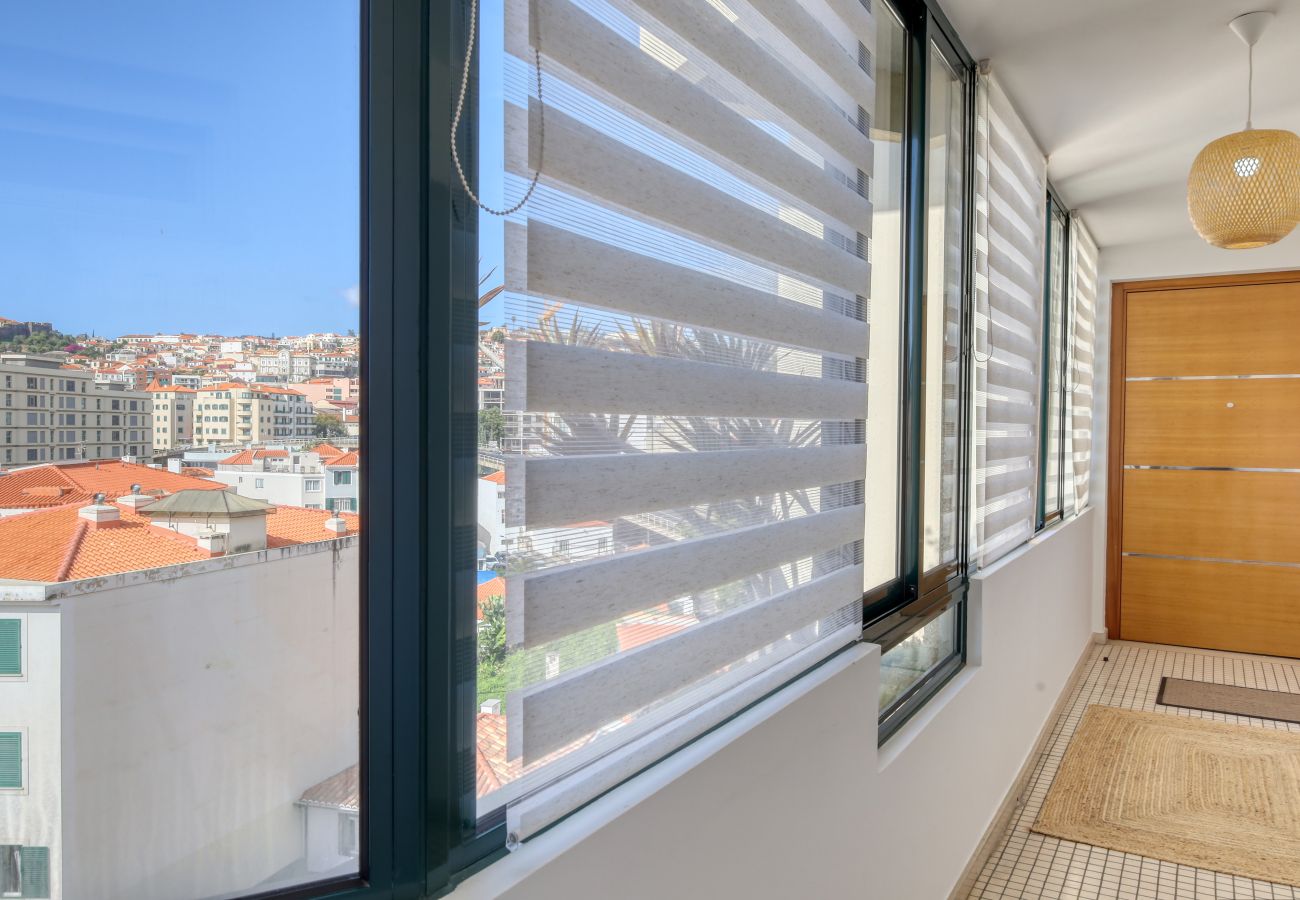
[[179, 234], [886, 255], [945, 195], [1054, 420], [923, 651], [735, 233]]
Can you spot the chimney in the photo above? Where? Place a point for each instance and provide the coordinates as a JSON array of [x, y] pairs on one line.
[[336, 525], [212, 542], [100, 513], [135, 499]]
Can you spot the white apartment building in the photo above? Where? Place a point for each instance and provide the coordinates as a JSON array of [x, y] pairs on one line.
[[294, 478], [187, 749], [233, 412], [173, 416], [49, 413], [496, 538]]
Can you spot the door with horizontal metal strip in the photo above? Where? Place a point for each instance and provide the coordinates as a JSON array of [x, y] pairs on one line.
[[1205, 537]]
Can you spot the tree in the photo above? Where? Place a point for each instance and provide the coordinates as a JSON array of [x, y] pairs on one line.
[[498, 336], [492, 633], [329, 426], [492, 650], [491, 426]]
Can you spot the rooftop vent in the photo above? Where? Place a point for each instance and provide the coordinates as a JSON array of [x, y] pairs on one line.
[[100, 513]]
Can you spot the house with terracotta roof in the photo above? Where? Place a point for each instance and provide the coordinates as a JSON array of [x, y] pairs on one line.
[[324, 477], [49, 486], [252, 608]]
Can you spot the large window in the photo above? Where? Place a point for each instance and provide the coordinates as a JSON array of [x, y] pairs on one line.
[[181, 684], [923, 640], [1056, 469], [679, 416], [718, 370]]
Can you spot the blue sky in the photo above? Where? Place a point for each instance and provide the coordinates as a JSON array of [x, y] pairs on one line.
[[180, 165], [491, 229]]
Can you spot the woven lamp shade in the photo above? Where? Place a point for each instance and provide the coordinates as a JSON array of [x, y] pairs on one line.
[[1244, 188]]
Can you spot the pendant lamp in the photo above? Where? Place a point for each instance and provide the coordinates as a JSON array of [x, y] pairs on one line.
[[1244, 188]]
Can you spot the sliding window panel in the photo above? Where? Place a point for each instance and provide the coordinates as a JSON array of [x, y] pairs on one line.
[[945, 283], [1083, 338], [688, 370], [1055, 325], [180, 524], [1011, 192]]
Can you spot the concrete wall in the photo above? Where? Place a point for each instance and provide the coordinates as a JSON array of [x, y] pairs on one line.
[[196, 711], [31, 816], [795, 799]]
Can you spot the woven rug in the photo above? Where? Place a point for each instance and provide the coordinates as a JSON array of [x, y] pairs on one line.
[[1180, 789]]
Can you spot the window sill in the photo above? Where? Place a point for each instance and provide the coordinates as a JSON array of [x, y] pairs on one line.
[[537, 853]]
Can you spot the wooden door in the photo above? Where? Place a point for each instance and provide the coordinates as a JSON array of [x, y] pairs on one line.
[[1204, 537]]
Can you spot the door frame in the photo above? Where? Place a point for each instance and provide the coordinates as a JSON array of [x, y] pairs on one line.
[[1119, 292]]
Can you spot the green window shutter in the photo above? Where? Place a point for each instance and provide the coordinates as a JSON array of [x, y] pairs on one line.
[[11, 759], [36, 872], [11, 647]]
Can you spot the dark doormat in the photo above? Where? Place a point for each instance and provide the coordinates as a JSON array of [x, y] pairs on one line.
[[1230, 699]]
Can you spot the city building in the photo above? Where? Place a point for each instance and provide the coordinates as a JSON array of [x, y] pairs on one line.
[[160, 598], [318, 390], [233, 412], [51, 412], [323, 477], [173, 416]]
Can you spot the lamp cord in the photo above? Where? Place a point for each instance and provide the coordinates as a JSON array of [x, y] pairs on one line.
[[1250, 87], [460, 107]]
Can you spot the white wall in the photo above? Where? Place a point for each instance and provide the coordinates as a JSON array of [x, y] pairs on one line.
[[280, 488], [31, 817], [196, 710], [794, 799]]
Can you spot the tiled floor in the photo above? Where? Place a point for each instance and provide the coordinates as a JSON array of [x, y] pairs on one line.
[[1027, 865]]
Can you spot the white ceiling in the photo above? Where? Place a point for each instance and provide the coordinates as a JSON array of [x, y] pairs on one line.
[[1122, 94]]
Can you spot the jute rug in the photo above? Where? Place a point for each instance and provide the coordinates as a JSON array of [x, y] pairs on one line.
[[1228, 698], [1185, 790]]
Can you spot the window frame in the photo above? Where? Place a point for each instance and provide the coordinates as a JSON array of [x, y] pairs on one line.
[[418, 582], [898, 609], [1047, 517]]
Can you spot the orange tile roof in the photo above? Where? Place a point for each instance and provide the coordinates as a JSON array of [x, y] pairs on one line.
[[346, 459], [197, 472], [492, 769], [643, 628], [299, 525], [498, 477], [327, 449], [54, 485], [246, 457], [53, 545], [341, 791]]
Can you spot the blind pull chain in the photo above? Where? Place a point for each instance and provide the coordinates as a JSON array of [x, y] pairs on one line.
[[460, 108]]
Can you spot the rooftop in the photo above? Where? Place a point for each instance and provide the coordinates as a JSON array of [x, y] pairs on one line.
[[53, 545], [200, 502], [46, 486]]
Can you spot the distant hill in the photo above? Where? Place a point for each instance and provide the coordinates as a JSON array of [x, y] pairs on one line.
[[32, 337]]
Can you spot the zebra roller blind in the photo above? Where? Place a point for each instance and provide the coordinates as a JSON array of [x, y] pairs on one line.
[[1083, 267], [687, 325], [1010, 221]]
